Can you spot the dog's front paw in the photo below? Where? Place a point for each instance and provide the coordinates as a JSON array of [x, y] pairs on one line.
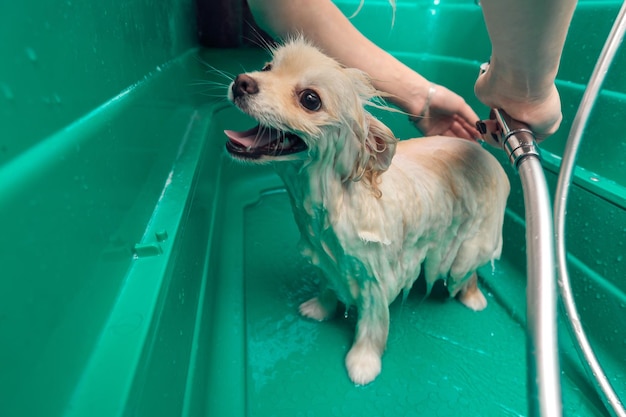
[[363, 364], [315, 309]]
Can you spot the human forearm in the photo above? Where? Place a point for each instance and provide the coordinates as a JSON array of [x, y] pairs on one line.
[[527, 39], [326, 26]]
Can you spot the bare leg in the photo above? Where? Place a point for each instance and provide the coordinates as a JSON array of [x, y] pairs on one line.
[[471, 296]]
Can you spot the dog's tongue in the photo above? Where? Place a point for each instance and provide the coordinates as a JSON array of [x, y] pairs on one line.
[[252, 138]]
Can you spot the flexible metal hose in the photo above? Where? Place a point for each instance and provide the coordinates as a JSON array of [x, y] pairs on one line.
[[543, 374], [601, 382], [544, 386]]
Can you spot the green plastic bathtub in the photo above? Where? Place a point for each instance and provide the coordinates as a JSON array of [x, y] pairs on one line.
[[143, 273]]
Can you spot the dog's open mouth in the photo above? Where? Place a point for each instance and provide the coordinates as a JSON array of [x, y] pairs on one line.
[[263, 141]]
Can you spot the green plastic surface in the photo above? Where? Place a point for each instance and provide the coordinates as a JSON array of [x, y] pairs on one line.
[[146, 274]]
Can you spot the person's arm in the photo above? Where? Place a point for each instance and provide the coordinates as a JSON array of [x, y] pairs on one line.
[[527, 38], [326, 26]]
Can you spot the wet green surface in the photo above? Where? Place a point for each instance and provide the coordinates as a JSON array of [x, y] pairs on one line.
[[145, 274], [442, 359]]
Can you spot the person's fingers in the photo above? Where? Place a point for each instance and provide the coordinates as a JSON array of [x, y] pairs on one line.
[[542, 115], [492, 133], [459, 131], [467, 114], [448, 126], [469, 127], [489, 132], [463, 117]]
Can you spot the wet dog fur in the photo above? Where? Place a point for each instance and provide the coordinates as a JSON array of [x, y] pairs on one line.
[[372, 211]]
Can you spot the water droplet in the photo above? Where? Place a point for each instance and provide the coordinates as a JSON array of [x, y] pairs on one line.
[[31, 54], [405, 294], [594, 179], [6, 92]]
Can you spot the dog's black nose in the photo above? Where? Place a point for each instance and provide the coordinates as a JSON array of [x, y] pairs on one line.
[[244, 84]]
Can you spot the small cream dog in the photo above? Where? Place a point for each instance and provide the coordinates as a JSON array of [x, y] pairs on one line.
[[371, 210]]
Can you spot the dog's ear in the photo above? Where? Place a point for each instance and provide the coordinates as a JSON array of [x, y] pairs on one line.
[[377, 150], [376, 141], [380, 144]]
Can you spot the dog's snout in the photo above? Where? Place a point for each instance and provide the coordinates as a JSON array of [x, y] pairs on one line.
[[244, 85]]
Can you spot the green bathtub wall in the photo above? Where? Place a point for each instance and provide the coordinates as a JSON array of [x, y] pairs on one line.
[[63, 58], [85, 147], [116, 205], [441, 36]]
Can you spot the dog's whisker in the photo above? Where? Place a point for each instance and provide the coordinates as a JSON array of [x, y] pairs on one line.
[[217, 71], [218, 96], [260, 40], [223, 74], [210, 88], [216, 89], [278, 147], [209, 82], [213, 68], [266, 131], [258, 136], [284, 142], [281, 144]]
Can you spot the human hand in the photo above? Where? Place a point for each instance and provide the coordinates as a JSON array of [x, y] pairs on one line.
[[540, 111], [497, 129], [447, 114]]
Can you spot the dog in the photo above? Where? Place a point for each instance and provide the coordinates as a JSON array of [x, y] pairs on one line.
[[372, 210]]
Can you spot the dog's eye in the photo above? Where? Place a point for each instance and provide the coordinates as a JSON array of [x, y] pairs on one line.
[[267, 67], [310, 100]]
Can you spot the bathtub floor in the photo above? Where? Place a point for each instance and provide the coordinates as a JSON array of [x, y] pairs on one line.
[[441, 359], [257, 357]]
